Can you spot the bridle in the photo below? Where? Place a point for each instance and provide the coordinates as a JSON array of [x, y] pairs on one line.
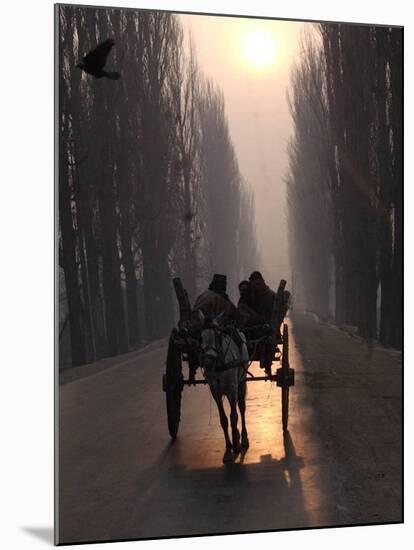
[[213, 356]]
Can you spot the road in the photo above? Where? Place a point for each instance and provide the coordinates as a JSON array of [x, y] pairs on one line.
[[340, 463]]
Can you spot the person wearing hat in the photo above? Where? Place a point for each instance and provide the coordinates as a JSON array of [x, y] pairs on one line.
[[214, 301], [211, 303]]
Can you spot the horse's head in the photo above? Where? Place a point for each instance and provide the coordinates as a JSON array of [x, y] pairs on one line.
[[210, 340]]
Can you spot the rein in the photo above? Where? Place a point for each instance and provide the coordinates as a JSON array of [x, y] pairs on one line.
[[220, 354]]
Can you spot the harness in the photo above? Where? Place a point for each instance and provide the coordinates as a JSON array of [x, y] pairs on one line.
[[221, 367], [219, 353]]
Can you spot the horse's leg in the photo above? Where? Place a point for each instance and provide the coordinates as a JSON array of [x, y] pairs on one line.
[[242, 408], [228, 455], [235, 434]]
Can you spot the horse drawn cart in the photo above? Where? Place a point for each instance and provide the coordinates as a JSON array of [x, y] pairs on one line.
[[264, 344]]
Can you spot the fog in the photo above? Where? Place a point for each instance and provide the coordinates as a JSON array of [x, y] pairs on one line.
[[150, 188], [255, 90]]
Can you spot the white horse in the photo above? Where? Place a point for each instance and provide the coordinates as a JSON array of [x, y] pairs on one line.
[[224, 361]]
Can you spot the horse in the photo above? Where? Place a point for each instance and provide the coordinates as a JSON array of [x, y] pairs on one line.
[[224, 361]]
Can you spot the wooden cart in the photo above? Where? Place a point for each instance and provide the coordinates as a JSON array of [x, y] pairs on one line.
[[181, 350]]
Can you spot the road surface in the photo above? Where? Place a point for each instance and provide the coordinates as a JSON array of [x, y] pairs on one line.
[[340, 463]]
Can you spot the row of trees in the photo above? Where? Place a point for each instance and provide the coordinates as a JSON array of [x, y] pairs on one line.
[[345, 176], [149, 185]]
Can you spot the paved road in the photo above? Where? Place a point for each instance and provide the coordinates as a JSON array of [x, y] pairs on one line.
[[121, 477]]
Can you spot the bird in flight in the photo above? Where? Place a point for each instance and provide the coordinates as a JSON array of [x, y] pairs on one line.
[[94, 62]]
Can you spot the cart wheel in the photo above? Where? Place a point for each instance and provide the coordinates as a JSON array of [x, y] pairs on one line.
[[285, 373], [173, 384]]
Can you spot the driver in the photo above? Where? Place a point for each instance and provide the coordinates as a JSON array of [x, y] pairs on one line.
[[211, 303]]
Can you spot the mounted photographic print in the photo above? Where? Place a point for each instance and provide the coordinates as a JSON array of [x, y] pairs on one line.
[[228, 274]]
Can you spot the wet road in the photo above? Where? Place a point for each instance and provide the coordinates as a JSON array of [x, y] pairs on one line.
[[121, 477]]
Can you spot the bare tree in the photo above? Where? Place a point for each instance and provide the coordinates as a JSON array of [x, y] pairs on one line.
[[131, 187], [345, 178]]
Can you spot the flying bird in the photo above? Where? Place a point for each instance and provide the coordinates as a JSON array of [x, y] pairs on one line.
[[94, 62]]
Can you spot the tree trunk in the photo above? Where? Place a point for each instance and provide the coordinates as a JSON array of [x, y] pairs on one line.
[[397, 126], [69, 263], [131, 291]]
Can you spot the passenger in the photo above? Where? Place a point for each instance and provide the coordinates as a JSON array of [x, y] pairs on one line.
[[262, 297], [246, 315], [262, 302]]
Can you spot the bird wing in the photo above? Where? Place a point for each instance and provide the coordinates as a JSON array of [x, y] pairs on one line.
[[98, 56]]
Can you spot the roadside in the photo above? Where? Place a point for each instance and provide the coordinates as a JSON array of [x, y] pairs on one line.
[[77, 373], [355, 391]]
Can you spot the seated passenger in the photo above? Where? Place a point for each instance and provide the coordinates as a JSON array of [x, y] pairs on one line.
[[263, 300], [246, 315], [262, 297]]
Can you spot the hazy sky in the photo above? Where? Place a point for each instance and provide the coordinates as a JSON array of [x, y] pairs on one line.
[[250, 59]]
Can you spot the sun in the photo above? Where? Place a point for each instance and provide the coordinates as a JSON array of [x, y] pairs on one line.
[[259, 48]]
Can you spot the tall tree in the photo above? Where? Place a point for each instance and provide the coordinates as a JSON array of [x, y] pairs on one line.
[[130, 179], [347, 124]]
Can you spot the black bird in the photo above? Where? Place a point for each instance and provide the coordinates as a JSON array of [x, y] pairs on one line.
[[94, 62]]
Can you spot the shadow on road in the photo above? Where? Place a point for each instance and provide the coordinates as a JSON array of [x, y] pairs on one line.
[[180, 499], [120, 480]]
